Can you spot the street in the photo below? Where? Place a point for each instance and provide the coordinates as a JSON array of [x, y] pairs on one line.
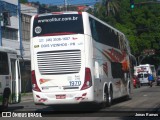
[[71, 51], [145, 101]]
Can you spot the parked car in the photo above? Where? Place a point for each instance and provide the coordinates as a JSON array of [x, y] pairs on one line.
[[158, 80], [136, 82], [158, 76]]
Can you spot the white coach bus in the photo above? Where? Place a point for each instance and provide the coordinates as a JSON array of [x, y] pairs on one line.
[[76, 58], [10, 78]]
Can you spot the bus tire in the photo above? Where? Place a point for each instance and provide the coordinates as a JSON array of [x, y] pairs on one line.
[[104, 103], [5, 101], [129, 96], [109, 97]]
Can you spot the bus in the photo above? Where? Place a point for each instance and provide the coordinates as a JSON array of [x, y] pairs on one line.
[[77, 58], [10, 78]]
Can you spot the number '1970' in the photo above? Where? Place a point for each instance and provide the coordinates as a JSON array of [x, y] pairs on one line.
[[75, 83]]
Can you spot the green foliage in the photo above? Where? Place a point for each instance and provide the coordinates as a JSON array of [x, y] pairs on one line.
[[23, 1], [141, 25]]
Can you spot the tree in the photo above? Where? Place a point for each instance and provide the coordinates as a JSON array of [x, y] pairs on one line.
[[100, 12], [23, 1], [141, 25], [112, 7]]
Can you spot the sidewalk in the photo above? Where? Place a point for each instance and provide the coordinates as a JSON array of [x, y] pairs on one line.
[[27, 97]]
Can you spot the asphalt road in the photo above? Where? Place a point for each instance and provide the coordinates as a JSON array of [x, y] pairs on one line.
[[145, 102]]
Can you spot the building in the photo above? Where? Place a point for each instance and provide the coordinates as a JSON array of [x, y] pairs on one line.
[[11, 31], [26, 13], [16, 33]]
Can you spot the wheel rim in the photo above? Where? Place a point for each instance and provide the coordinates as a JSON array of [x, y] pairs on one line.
[[105, 97], [109, 97]]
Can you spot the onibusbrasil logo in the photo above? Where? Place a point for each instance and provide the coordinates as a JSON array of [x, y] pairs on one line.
[[21, 115]]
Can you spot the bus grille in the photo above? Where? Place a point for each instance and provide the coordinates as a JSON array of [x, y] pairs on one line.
[[59, 62]]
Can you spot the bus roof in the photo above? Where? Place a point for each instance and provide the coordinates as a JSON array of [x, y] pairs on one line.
[[57, 13]]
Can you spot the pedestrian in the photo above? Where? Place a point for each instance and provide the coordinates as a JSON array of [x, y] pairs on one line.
[[150, 79]]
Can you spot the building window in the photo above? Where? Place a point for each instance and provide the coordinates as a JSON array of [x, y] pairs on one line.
[[9, 33], [26, 27]]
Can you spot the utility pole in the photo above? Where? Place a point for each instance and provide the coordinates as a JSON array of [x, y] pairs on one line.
[[1, 7], [0, 32], [20, 29], [65, 4]]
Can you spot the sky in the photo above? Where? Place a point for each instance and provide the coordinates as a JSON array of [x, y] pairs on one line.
[[69, 2]]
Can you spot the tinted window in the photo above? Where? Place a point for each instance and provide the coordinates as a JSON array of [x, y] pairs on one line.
[[117, 70], [4, 69], [140, 75], [58, 25], [145, 75], [104, 34]]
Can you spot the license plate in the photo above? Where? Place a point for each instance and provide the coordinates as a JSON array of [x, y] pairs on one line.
[[60, 96]]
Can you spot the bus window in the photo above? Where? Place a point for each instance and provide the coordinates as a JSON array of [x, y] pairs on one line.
[[103, 34], [4, 69], [58, 25]]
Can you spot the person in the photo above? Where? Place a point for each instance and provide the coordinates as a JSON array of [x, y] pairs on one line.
[[150, 79]]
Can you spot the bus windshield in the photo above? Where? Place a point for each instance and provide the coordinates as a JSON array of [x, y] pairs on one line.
[[58, 25]]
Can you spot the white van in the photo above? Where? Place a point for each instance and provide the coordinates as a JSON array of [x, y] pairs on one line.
[[143, 77]]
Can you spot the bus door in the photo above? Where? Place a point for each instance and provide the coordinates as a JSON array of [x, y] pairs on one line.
[[15, 78]]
